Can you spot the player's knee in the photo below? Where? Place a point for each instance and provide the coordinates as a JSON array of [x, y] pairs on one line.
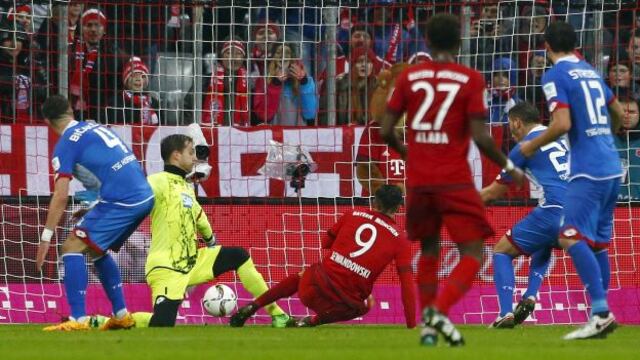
[[73, 245], [165, 312], [505, 247], [230, 258]]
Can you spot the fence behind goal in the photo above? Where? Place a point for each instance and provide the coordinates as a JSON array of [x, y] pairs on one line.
[[190, 79]]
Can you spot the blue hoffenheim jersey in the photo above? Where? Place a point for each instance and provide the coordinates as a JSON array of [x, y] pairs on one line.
[[97, 157], [573, 83], [548, 168]]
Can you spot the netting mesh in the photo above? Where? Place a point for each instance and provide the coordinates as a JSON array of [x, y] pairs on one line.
[[297, 72]]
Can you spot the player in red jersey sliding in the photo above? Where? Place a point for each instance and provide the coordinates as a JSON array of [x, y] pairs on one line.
[[360, 246], [446, 108]]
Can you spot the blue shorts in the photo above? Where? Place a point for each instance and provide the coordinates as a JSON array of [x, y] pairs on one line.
[[588, 211], [108, 226], [538, 230]]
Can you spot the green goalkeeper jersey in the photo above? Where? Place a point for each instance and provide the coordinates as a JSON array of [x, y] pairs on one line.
[[176, 219]]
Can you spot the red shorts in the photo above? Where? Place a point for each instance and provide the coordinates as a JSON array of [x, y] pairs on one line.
[[318, 294], [461, 210]]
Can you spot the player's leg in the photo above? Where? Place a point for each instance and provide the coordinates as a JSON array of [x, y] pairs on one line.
[[604, 232], [75, 282], [167, 291], [538, 266], [503, 276], [582, 214]]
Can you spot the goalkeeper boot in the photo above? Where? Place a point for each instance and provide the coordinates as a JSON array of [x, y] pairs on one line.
[[69, 325], [306, 321], [242, 315], [443, 325], [524, 308], [503, 322], [126, 322], [96, 321], [428, 336], [598, 327], [280, 321]]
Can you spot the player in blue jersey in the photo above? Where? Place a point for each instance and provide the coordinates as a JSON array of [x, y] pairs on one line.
[[537, 234], [584, 107], [93, 154]]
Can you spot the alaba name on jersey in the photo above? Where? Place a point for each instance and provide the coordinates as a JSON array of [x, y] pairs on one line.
[[97, 157], [361, 245], [439, 99], [574, 84], [547, 168]]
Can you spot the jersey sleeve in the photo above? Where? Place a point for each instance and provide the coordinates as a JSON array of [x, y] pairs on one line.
[[64, 159], [397, 101], [202, 222], [477, 103], [554, 91], [518, 160]]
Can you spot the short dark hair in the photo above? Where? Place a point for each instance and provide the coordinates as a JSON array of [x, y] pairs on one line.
[[443, 32], [55, 107], [389, 198], [525, 112], [175, 142], [561, 37]]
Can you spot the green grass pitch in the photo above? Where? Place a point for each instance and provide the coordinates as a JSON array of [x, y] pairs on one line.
[[326, 342]]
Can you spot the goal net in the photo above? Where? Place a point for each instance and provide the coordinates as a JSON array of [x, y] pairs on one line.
[[255, 74]]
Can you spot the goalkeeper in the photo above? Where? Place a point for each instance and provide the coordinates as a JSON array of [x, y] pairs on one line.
[[174, 261]]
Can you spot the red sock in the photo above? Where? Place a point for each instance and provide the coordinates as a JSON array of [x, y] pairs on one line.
[[458, 283], [285, 288], [427, 279]]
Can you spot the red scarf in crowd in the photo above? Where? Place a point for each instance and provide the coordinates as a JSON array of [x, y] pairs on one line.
[[84, 66], [142, 103], [23, 100], [393, 44], [214, 105]]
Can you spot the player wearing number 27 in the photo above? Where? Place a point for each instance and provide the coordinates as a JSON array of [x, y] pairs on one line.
[[580, 104], [446, 108], [95, 156]]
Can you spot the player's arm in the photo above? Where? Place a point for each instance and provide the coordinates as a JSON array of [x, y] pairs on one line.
[[370, 176], [560, 125], [203, 225], [493, 192], [407, 285], [617, 114], [388, 133], [57, 205], [487, 146]]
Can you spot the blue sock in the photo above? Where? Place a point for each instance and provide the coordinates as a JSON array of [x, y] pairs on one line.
[[505, 280], [537, 270], [110, 278], [75, 283], [589, 271], [603, 260]]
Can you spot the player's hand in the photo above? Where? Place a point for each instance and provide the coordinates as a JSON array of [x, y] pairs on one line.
[[370, 302], [518, 177], [43, 249], [527, 149], [402, 150]]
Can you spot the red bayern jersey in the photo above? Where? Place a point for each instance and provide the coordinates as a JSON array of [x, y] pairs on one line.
[[361, 245], [439, 99], [372, 148]]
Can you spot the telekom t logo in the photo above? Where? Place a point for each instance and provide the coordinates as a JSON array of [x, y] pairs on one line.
[[396, 166]]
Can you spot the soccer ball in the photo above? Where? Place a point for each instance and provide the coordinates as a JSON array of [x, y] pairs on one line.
[[219, 300]]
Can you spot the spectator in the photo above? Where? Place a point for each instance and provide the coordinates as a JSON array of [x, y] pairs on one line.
[[96, 65], [354, 92], [226, 98], [135, 105], [531, 26], [503, 90], [628, 144], [264, 35], [22, 15], [533, 82], [287, 95], [490, 35], [633, 52], [619, 73], [18, 90]]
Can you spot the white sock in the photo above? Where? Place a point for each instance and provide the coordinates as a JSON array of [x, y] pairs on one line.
[[121, 313]]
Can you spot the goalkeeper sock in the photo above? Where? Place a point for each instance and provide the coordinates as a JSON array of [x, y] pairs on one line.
[[537, 269], [505, 280], [75, 284], [589, 270], [458, 282], [254, 283], [110, 278], [427, 279], [142, 319], [603, 260], [285, 288]]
